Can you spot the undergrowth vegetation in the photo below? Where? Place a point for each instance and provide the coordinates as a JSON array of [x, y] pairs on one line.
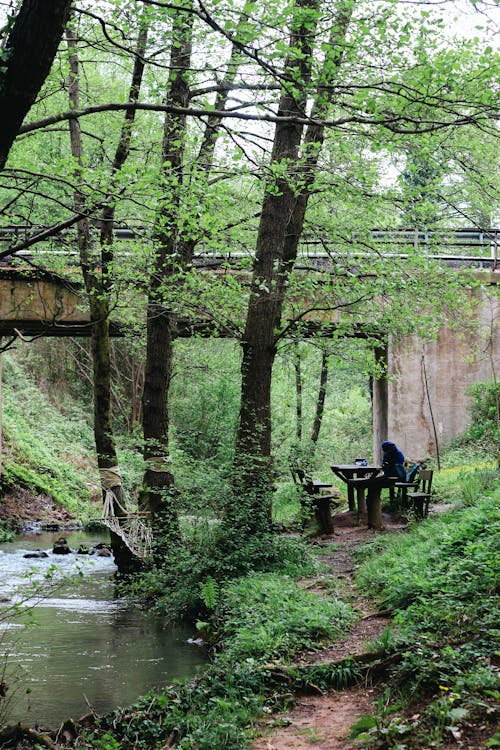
[[258, 622], [204, 404], [42, 443], [442, 582]]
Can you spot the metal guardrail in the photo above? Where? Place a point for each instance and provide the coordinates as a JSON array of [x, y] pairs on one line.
[[471, 242]]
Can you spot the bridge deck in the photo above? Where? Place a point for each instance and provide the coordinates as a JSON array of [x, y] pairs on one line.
[[42, 303]]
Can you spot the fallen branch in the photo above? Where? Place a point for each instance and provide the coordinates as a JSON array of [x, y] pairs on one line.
[[19, 732]]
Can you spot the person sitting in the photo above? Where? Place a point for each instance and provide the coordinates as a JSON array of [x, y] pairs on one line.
[[393, 461]]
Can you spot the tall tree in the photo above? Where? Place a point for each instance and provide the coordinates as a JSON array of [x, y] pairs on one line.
[[158, 478], [98, 278], [174, 248], [281, 222]]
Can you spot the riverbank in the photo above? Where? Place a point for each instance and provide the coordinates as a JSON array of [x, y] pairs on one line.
[[21, 508]]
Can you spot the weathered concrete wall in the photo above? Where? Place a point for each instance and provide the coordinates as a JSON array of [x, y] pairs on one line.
[[429, 381], [39, 300]]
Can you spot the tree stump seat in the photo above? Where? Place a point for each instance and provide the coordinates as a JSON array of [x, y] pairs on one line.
[[320, 497]]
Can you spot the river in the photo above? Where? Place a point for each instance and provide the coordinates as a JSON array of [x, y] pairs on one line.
[[74, 646]]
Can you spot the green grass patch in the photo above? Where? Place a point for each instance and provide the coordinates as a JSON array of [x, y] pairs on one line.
[[268, 615]]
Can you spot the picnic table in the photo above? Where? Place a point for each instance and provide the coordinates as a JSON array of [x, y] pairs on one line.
[[348, 472], [361, 478]]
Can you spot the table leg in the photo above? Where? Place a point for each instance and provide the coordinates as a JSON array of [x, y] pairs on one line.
[[374, 508], [360, 492], [350, 497]]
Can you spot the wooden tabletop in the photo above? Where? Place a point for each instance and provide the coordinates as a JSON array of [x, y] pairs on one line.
[[348, 472], [354, 467]]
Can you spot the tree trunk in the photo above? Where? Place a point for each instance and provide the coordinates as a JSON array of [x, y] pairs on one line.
[[298, 395], [169, 258], [380, 401], [320, 403], [26, 59], [252, 464], [174, 253], [281, 224], [107, 459]]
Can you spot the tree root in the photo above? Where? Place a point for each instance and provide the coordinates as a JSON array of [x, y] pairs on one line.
[[365, 666], [21, 732]]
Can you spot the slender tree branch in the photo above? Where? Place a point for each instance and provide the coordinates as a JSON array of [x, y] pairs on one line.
[[392, 122]]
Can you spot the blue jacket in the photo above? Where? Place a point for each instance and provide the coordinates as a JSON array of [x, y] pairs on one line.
[[392, 460]]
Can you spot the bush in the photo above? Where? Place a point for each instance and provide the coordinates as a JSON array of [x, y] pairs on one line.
[[484, 431]]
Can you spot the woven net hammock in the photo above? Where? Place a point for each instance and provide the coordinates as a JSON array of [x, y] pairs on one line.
[[132, 529]]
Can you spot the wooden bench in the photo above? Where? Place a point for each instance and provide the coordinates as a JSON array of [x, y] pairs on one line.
[[420, 500], [398, 494], [317, 497]]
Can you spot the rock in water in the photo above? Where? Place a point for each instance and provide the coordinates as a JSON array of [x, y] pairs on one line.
[[61, 547]]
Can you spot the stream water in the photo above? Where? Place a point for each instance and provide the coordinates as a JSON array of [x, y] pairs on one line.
[[73, 645]]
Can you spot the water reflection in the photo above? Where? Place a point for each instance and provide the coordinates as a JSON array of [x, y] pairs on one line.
[[82, 647]]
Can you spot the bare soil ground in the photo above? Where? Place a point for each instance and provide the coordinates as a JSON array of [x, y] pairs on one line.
[[324, 721], [21, 507]]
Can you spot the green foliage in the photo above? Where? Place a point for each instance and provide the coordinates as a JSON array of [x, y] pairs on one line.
[[7, 534], [209, 592], [485, 414], [346, 424], [188, 582], [272, 616], [205, 399], [460, 536], [106, 742]]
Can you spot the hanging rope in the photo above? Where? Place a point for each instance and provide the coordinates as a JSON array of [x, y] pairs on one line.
[[130, 527]]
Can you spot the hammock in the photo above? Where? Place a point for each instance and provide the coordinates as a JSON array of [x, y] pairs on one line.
[[130, 527]]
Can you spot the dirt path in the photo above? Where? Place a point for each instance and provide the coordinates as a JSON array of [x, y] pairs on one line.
[[324, 721]]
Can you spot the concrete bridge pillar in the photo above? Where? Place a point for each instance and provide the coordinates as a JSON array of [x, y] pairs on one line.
[[425, 401]]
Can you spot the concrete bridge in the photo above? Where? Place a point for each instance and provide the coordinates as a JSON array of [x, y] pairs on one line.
[[422, 404], [40, 303]]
